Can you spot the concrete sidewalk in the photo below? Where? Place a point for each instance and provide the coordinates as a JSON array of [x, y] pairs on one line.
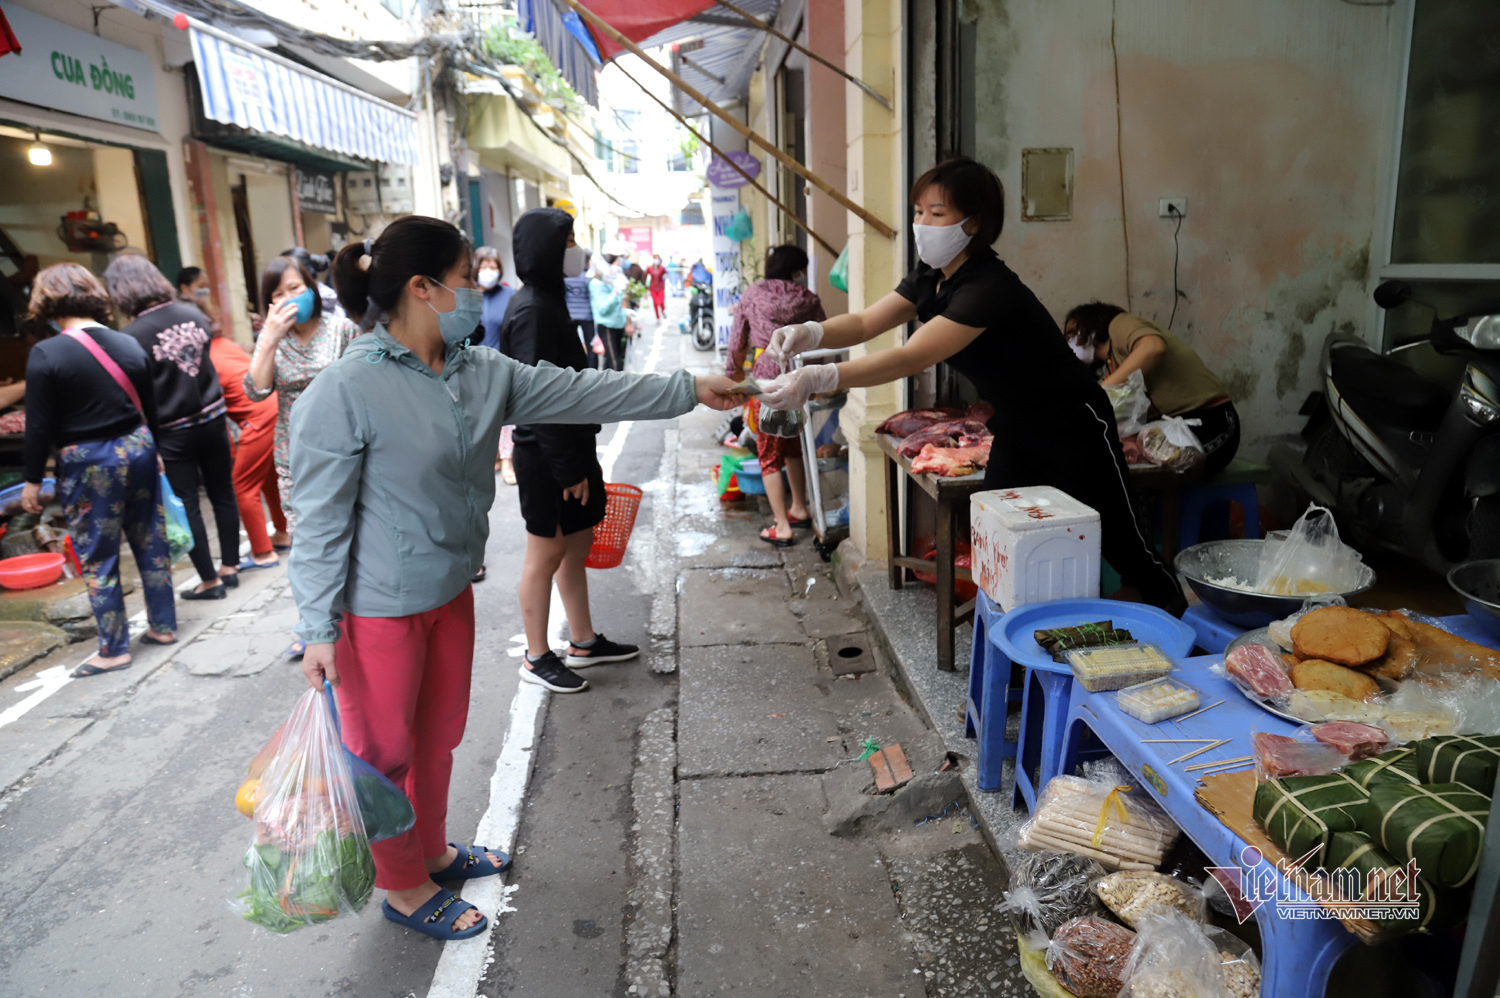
[[790, 874]]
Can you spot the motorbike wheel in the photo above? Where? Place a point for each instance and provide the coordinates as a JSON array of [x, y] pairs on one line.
[[703, 335], [1484, 528]]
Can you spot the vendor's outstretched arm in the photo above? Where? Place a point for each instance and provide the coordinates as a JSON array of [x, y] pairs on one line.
[[853, 328], [934, 341], [547, 394]]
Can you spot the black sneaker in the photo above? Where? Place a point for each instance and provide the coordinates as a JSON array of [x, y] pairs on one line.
[[550, 672], [601, 650]]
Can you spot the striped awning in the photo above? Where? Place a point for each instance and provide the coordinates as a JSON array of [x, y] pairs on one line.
[[567, 42], [247, 86]]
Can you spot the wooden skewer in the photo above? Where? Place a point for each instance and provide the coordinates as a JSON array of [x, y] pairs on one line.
[[788, 212], [1215, 771], [1195, 752], [807, 52], [1216, 765], [1161, 741], [739, 126], [1200, 710]]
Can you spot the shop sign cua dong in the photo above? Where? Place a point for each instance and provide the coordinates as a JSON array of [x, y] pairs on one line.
[[66, 69]]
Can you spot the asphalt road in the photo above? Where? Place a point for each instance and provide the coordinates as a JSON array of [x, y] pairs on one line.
[[123, 849]]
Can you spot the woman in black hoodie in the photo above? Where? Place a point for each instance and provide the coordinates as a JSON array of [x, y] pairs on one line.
[[557, 468]]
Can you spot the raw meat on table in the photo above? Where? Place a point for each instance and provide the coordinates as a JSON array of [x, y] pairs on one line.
[[1257, 667], [1134, 452], [944, 434], [1278, 756], [904, 424], [13, 422], [950, 462], [1357, 741]]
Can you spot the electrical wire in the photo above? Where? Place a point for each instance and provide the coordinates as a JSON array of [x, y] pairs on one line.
[[1120, 150], [1176, 254]]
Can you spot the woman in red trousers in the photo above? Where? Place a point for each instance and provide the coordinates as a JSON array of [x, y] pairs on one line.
[[392, 450], [656, 277], [254, 462]]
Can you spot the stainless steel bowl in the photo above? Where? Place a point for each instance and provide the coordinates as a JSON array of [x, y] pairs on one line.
[[1478, 582], [1240, 561]]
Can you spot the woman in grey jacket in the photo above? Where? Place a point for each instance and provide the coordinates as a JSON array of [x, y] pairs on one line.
[[392, 451]]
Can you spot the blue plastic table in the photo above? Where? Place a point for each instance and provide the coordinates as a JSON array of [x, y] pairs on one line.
[[1298, 954], [1003, 639], [1213, 632]]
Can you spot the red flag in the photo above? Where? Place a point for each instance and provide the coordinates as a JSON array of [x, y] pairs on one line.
[[638, 20], [8, 43]]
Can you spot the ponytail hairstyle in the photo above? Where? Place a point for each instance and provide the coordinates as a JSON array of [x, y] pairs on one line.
[[371, 276]]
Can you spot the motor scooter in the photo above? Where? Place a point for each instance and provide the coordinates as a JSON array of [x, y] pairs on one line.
[[1405, 462], [701, 315]]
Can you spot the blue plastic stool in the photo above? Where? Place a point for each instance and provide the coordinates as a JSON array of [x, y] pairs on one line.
[[990, 697], [1213, 633], [1193, 500]]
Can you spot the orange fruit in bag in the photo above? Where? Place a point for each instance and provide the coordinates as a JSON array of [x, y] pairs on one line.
[[247, 796]]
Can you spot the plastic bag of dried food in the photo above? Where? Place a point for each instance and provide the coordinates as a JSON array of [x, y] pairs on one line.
[[1310, 559], [1088, 956], [1120, 827], [1048, 889], [310, 859], [1172, 958], [1171, 443], [1239, 966], [1130, 402], [1033, 954], [1133, 894]]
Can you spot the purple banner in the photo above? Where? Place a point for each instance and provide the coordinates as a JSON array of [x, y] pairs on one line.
[[720, 174]]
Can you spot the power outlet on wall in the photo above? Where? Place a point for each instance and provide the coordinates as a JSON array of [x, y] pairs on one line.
[[1172, 207]]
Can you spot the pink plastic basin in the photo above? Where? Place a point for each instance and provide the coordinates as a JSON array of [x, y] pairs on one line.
[[30, 571]]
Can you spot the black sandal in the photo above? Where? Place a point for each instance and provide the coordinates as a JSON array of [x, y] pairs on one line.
[[90, 669], [480, 575]]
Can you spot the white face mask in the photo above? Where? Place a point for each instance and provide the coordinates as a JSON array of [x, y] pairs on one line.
[[1082, 351], [488, 278], [937, 245], [574, 260]]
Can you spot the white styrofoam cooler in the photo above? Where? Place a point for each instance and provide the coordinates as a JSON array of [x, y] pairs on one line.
[[1032, 545]]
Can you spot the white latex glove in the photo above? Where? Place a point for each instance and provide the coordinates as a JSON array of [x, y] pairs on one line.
[[792, 390], [788, 341]]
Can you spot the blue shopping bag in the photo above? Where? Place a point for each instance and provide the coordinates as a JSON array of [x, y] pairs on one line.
[[385, 808], [179, 534]]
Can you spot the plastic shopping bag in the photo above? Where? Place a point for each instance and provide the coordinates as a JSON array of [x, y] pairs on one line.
[[310, 859], [385, 808], [1172, 444], [839, 275], [1310, 559], [1172, 955], [179, 534], [1130, 403]]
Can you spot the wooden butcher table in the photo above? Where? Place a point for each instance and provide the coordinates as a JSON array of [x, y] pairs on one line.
[[950, 494]]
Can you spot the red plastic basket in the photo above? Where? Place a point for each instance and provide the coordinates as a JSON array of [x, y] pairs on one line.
[[613, 533]]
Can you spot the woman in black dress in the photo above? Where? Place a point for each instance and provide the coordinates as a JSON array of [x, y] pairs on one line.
[[1053, 424]]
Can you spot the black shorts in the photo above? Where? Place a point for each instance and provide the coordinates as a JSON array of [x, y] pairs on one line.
[[542, 504]]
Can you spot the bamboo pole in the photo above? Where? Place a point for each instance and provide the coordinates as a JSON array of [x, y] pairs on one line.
[[725, 157], [768, 29], [729, 119]]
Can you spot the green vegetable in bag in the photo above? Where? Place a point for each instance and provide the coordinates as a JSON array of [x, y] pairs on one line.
[[839, 275]]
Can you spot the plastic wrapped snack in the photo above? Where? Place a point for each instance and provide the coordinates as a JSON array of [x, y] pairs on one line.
[[1048, 889], [1310, 559], [1158, 699], [1130, 403], [1032, 951], [1277, 756], [310, 859], [1132, 894], [1100, 669], [1058, 641], [1172, 958], [1356, 741], [1120, 828], [1238, 964], [1089, 954], [1171, 443], [1257, 671]]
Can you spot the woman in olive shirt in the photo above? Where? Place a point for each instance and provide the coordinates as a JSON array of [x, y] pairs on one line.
[[1053, 424], [1177, 380]]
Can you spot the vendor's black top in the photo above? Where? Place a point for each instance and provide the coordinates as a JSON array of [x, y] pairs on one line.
[[175, 337], [1020, 364], [71, 398], [538, 328]]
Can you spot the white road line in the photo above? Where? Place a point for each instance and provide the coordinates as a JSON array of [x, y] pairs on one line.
[[462, 965], [46, 683]]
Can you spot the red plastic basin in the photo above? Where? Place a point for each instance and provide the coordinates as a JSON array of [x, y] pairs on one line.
[[30, 571]]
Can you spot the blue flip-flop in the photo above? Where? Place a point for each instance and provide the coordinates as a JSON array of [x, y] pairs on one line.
[[471, 864], [433, 920], [250, 564], [296, 649]]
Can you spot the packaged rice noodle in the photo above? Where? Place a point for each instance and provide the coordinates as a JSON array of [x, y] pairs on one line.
[[1119, 827]]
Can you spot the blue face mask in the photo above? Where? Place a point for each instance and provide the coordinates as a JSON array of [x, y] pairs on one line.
[[304, 303], [468, 309]]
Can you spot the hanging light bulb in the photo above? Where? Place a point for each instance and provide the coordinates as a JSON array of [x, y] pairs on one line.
[[39, 154]]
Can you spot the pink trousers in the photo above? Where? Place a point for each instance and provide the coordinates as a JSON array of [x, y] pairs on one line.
[[404, 700]]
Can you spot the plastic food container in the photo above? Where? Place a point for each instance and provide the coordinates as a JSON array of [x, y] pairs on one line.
[[1158, 699], [31, 571], [1117, 666]]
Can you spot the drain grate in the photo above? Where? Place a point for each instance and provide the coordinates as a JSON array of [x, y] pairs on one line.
[[849, 655]]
